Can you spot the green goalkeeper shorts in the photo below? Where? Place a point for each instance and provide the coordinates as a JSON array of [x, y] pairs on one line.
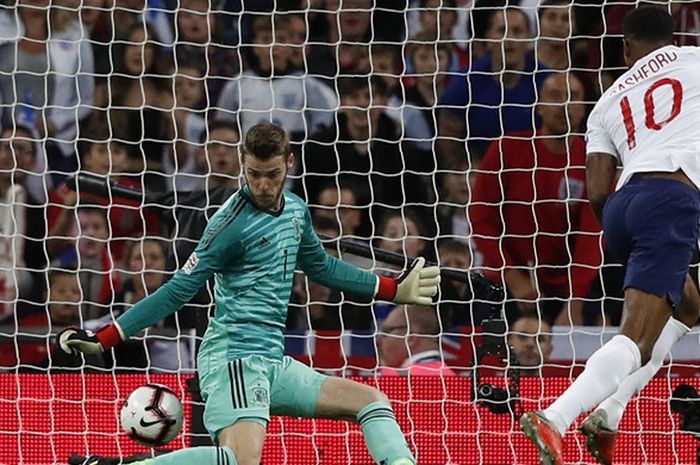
[[254, 387]]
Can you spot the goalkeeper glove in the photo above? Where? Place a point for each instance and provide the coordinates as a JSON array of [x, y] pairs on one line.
[[75, 340], [416, 285]]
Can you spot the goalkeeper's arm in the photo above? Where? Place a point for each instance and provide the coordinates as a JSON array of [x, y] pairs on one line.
[[165, 301], [417, 285], [210, 256]]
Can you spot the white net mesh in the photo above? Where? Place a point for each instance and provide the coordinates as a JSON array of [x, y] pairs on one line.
[[445, 129]]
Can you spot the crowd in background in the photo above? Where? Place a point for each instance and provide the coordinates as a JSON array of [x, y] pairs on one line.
[[451, 129]]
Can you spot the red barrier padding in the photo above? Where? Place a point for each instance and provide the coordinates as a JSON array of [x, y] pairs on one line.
[[43, 419]]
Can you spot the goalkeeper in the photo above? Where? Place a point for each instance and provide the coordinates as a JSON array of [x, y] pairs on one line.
[[252, 245]]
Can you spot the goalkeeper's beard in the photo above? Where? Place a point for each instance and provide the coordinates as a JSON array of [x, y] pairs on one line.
[[275, 204]]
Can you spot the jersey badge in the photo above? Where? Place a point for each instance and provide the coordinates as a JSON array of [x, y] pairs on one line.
[[296, 224]]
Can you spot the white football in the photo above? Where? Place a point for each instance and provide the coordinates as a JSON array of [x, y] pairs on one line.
[[152, 415]]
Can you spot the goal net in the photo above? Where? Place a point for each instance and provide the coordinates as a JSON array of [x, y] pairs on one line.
[[448, 129]]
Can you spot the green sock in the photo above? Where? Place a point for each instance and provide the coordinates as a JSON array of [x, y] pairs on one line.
[[383, 437], [194, 455]]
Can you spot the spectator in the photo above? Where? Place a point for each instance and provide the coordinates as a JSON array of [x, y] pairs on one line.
[[128, 14], [430, 62], [107, 23], [145, 262], [44, 64], [384, 62], [270, 90], [457, 306], [606, 54], [314, 307], [13, 205], [479, 23], [30, 158], [62, 309], [379, 105], [438, 18], [102, 156], [497, 92], [556, 43], [531, 219], [438, 21], [95, 19], [298, 39], [200, 44], [409, 343], [454, 191], [189, 128], [20, 150], [556, 28], [530, 339], [401, 232], [219, 160], [142, 98], [686, 16], [339, 204], [363, 149], [84, 240], [346, 44]]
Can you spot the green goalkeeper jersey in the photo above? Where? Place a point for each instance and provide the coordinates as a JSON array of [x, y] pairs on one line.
[[253, 255]]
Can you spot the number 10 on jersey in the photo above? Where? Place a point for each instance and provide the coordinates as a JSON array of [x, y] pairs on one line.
[[649, 116]]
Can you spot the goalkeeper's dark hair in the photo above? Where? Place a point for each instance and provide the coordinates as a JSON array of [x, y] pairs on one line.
[[265, 141], [648, 23]]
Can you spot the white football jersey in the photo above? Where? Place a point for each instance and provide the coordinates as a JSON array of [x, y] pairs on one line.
[[298, 103], [650, 117]]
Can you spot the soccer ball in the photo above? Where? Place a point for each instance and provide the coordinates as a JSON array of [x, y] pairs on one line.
[[152, 415]]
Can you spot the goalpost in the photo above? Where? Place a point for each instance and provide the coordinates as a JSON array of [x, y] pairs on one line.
[[121, 124]]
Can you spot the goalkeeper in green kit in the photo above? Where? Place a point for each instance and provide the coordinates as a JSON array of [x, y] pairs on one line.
[[252, 246]]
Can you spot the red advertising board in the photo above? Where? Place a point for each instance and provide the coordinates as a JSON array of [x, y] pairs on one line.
[[43, 419]]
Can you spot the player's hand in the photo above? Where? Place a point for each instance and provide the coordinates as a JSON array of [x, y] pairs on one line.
[[75, 340], [417, 285]]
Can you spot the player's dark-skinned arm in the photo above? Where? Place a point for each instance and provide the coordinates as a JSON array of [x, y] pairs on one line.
[[600, 172], [214, 250]]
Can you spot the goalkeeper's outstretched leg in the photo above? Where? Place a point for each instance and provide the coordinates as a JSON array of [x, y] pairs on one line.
[[348, 400], [194, 455]]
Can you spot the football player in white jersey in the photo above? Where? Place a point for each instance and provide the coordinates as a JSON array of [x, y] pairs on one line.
[[647, 121]]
